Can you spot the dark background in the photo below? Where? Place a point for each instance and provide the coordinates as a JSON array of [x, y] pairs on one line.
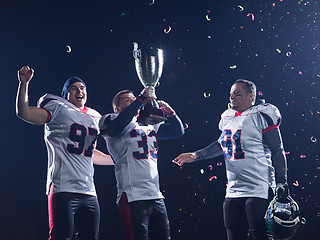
[[211, 44]]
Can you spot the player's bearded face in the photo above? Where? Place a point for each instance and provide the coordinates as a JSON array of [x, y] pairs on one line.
[[240, 99], [125, 100], [77, 94]]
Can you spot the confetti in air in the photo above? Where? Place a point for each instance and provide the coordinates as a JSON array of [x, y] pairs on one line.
[[68, 49], [252, 16], [206, 95], [167, 31]]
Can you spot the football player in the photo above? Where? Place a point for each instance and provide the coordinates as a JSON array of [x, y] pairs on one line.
[[255, 160], [70, 135], [134, 146]]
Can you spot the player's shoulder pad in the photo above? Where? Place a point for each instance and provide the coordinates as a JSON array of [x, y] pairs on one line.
[[228, 113], [270, 113], [45, 99], [93, 112]]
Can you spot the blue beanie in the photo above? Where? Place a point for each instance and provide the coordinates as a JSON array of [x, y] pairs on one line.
[[67, 85]]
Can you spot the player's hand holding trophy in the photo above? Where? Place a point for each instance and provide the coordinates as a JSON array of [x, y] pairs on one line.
[[149, 66]]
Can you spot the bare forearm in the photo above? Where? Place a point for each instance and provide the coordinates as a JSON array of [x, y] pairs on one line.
[[22, 100], [100, 158]]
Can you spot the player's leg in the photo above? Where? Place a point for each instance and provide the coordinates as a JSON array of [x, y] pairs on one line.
[[62, 208], [256, 209], [159, 222], [125, 216], [51, 214], [235, 220], [141, 212], [87, 218]]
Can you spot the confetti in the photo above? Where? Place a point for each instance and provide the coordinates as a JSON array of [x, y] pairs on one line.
[[68, 49], [278, 50], [186, 126], [313, 139], [302, 156], [167, 31], [207, 17], [206, 95], [210, 166], [201, 171], [296, 183], [241, 8], [152, 2], [260, 93], [288, 54], [252, 16], [233, 67], [214, 177], [219, 163]]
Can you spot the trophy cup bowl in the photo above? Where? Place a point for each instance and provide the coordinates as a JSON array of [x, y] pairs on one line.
[[149, 66]]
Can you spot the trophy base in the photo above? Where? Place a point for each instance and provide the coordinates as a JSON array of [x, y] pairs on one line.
[[151, 115]]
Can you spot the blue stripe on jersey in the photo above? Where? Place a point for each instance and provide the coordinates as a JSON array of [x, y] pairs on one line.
[[267, 118], [45, 101]]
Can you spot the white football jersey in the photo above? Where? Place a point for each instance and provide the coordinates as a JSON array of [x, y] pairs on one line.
[[248, 159], [70, 135], [135, 156]]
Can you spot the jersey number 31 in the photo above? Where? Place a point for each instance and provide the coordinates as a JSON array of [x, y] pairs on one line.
[[228, 141]]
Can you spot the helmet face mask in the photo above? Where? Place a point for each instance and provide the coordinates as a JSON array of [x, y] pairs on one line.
[[282, 218]]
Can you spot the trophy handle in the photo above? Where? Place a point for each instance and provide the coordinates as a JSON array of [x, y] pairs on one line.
[[136, 52]]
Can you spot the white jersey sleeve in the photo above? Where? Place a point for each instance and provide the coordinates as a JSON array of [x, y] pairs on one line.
[[270, 116]]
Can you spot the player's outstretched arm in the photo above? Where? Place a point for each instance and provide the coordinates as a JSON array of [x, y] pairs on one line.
[[185, 158], [30, 114], [100, 158]]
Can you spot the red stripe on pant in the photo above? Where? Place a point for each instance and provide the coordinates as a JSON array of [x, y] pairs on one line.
[[125, 215], [51, 212]]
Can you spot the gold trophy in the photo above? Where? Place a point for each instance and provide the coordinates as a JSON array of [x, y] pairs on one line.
[[149, 66]]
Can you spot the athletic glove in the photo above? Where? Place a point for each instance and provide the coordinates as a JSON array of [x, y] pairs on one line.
[[166, 108]]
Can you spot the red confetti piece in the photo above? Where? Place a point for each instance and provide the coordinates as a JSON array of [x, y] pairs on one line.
[[296, 183], [214, 177], [167, 31], [252, 16]]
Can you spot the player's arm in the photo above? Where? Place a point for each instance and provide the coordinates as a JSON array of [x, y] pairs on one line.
[[100, 158], [173, 127], [274, 141], [114, 127], [30, 114], [211, 151]]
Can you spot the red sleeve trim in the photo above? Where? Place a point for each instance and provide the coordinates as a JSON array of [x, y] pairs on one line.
[[269, 128], [49, 114]]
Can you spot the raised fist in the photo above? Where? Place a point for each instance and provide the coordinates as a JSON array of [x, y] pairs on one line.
[[25, 74]]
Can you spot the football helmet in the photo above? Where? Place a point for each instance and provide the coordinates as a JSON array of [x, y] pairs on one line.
[[282, 216]]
